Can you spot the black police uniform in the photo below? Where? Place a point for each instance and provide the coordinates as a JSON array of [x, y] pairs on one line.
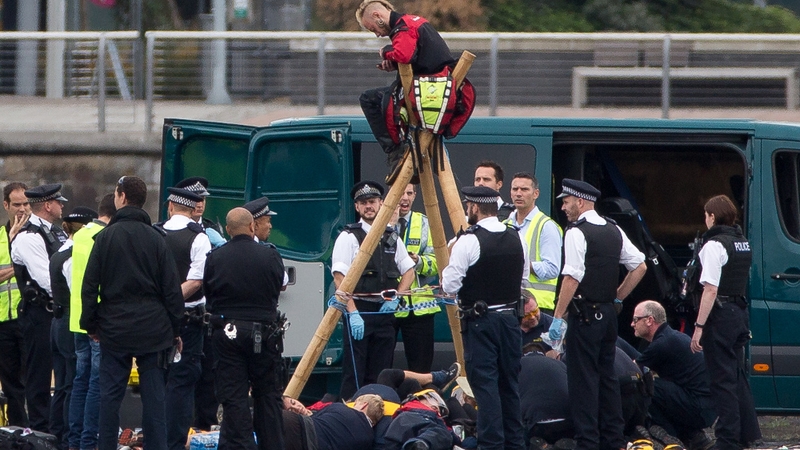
[[62, 345], [681, 393], [725, 334], [35, 311], [489, 298], [590, 342], [242, 281], [375, 352]]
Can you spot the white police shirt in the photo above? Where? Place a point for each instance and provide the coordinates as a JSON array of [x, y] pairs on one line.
[[201, 245], [29, 250], [712, 257], [346, 248], [575, 248], [467, 250]]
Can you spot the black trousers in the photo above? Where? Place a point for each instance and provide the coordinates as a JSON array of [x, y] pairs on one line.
[[181, 379], [417, 332], [678, 411], [205, 402], [725, 334], [369, 356], [374, 103], [12, 370], [34, 321], [62, 344], [492, 353], [238, 370], [594, 398]]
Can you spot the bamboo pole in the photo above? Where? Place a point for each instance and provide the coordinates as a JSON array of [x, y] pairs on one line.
[[332, 315]]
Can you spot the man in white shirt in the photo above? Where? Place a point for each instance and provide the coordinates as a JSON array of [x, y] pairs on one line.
[[369, 341]]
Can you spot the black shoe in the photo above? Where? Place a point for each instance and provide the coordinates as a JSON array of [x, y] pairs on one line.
[[442, 378], [665, 438], [537, 443], [701, 441], [394, 159]]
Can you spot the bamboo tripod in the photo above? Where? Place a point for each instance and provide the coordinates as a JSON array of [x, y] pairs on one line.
[[455, 210]]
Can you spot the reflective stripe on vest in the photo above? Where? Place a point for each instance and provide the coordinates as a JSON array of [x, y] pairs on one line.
[[9, 292], [416, 238], [543, 290], [83, 241]]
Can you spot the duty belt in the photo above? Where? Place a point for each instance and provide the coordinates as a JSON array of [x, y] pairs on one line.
[[262, 332], [480, 309], [738, 299]]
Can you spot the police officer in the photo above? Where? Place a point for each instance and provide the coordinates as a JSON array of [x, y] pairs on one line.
[[31, 251], [199, 186], [594, 248], [486, 265], [188, 244], [722, 328], [262, 215], [417, 326], [11, 343], [541, 235], [682, 402], [242, 282], [372, 337], [62, 344]]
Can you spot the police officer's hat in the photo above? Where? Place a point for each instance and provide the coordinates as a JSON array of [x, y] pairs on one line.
[[183, 197], [259, 208], [580, 189], [366, 189], [81, 214], [479, 194], [198, 185], [44, 193]]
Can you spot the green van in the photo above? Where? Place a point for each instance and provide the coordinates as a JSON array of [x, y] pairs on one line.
[[655, 176]]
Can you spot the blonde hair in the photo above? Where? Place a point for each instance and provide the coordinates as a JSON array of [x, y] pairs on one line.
[[366, 4], [374, 407]]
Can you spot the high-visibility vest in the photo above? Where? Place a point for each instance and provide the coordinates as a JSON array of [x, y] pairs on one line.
[[83, 242], [9, 292], [543, 290], [417, 237]]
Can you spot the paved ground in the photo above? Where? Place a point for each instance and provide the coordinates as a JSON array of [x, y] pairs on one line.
[[35, 123]]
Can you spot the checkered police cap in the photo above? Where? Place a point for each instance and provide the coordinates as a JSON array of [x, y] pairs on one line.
[[479, 194], [45, 193], [198, 185], [183, 197], [579, 189]]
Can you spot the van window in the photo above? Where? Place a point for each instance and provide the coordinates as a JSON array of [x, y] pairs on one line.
[[786, 167], [371, 165]]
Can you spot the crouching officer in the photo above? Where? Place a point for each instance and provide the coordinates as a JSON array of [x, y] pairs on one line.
[[486, 265], [594, 248], [242, 282]]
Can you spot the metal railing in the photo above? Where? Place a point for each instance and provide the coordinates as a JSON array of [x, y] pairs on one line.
[[70, 64]]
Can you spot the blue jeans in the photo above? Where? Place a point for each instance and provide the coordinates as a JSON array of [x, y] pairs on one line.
[[84, 408], [115, 369]]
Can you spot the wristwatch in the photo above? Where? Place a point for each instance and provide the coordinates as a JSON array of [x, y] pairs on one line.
[[699, 325]]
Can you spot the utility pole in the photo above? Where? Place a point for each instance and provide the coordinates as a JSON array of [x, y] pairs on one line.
[[56, 21], [219, 91]]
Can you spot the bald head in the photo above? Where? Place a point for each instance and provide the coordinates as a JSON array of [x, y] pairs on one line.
[[239, 221]]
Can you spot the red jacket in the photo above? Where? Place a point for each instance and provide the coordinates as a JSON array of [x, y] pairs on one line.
[[415, 41]]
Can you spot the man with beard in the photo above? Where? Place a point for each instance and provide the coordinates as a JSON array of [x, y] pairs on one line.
[[369, 341]]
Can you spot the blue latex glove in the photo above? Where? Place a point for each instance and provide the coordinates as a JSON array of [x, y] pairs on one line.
[[215, 238], [555, 329], [356, 325], [390, 305]]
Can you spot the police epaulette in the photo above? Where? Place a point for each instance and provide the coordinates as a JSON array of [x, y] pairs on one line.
[[472, 229], [352, 226], [160, 228], [30, 227], [196, 227], [575, 224], [268, 244], [610, 220]]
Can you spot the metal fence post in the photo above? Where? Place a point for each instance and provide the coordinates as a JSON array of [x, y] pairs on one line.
[[321, 75], [665, 84], [493, 63], [148, 88], [101, 83]]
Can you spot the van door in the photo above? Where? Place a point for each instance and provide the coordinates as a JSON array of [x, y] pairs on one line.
[[306, 171], [216, 151], [780, 269]]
